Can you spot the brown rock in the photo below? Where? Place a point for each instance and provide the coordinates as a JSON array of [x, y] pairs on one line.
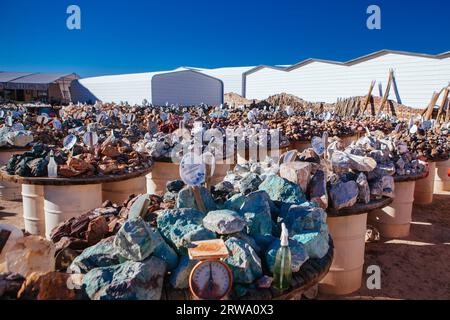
[[48, 286], [97, 230]]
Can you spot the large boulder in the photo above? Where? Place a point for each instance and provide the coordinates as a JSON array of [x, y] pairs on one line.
[[179, 278], [317, 189], [297, 172], [243, 261], [256, 212], [249, 183], [102, 254], [131, 280], [136, 239], [303, 217], [344, 194], [282, 190], [179, 227], [224, 221], [315, 242]]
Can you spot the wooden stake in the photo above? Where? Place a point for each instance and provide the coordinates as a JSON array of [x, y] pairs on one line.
[[198, 199], [386, 92], [443, 103], [429, 109], [368, 97]]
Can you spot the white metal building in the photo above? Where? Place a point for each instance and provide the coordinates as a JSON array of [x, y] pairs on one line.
[[179, 86], [232, 78], [416, 75], [188, 87]]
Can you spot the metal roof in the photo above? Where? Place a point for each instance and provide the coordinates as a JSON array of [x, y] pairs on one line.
[[9, 76], [43, 78], [351, 62]]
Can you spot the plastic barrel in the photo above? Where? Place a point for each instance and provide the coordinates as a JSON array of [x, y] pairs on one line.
[[119, 191], [33, 209], [423, 193], [162, 172], [9, 190], [64, 202], [394, 220], [345, 274], [441, 179]]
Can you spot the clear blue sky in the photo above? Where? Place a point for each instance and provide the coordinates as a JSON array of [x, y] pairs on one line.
[[137, 36]]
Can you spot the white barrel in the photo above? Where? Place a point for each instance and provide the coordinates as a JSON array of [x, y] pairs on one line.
[[162, 172], [441, 179], [423, 193], [345, 274], [394, 220], [9, 190], [33, 209], [64, 202], [119, 191]]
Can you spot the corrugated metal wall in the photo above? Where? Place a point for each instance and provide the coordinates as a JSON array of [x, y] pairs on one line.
[[186, 88], [416, 76], [231, 77], [132, 88]]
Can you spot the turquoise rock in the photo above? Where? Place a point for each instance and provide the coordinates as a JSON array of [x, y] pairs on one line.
[[130, 280], [298, 254], [315, 242], [264, 241], [139, 207], [179, 227], [224, 221], [179, 278], [300, 218], [102, 254], [283, 190], [235, 202], [250, 240], [243, 261], [240, 291], [136, 239], [166, 253], [186, 199], [249, 183], [256, 211]]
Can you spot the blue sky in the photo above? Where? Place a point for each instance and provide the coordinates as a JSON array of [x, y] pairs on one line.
[[138, 36]]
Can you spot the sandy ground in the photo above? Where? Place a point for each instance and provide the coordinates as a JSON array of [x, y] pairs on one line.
[[417, 267]]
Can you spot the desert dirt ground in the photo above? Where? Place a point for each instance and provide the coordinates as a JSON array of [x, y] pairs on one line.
[[417, 267]]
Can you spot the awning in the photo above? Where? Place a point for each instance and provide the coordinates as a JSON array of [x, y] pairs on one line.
[[33, 81]]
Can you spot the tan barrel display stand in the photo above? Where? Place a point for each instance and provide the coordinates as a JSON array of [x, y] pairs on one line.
[[348, 229], [246, 155], [441, 178], [119, 191], [163, 172], [50, 201], [394, 220], [423, 192], [9, 190]]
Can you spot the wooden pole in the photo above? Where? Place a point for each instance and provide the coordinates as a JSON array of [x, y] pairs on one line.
[[443, 103], [386, 92], [368, 97], [429, 109]]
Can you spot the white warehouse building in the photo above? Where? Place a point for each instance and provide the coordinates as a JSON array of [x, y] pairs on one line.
[[417, 76]]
